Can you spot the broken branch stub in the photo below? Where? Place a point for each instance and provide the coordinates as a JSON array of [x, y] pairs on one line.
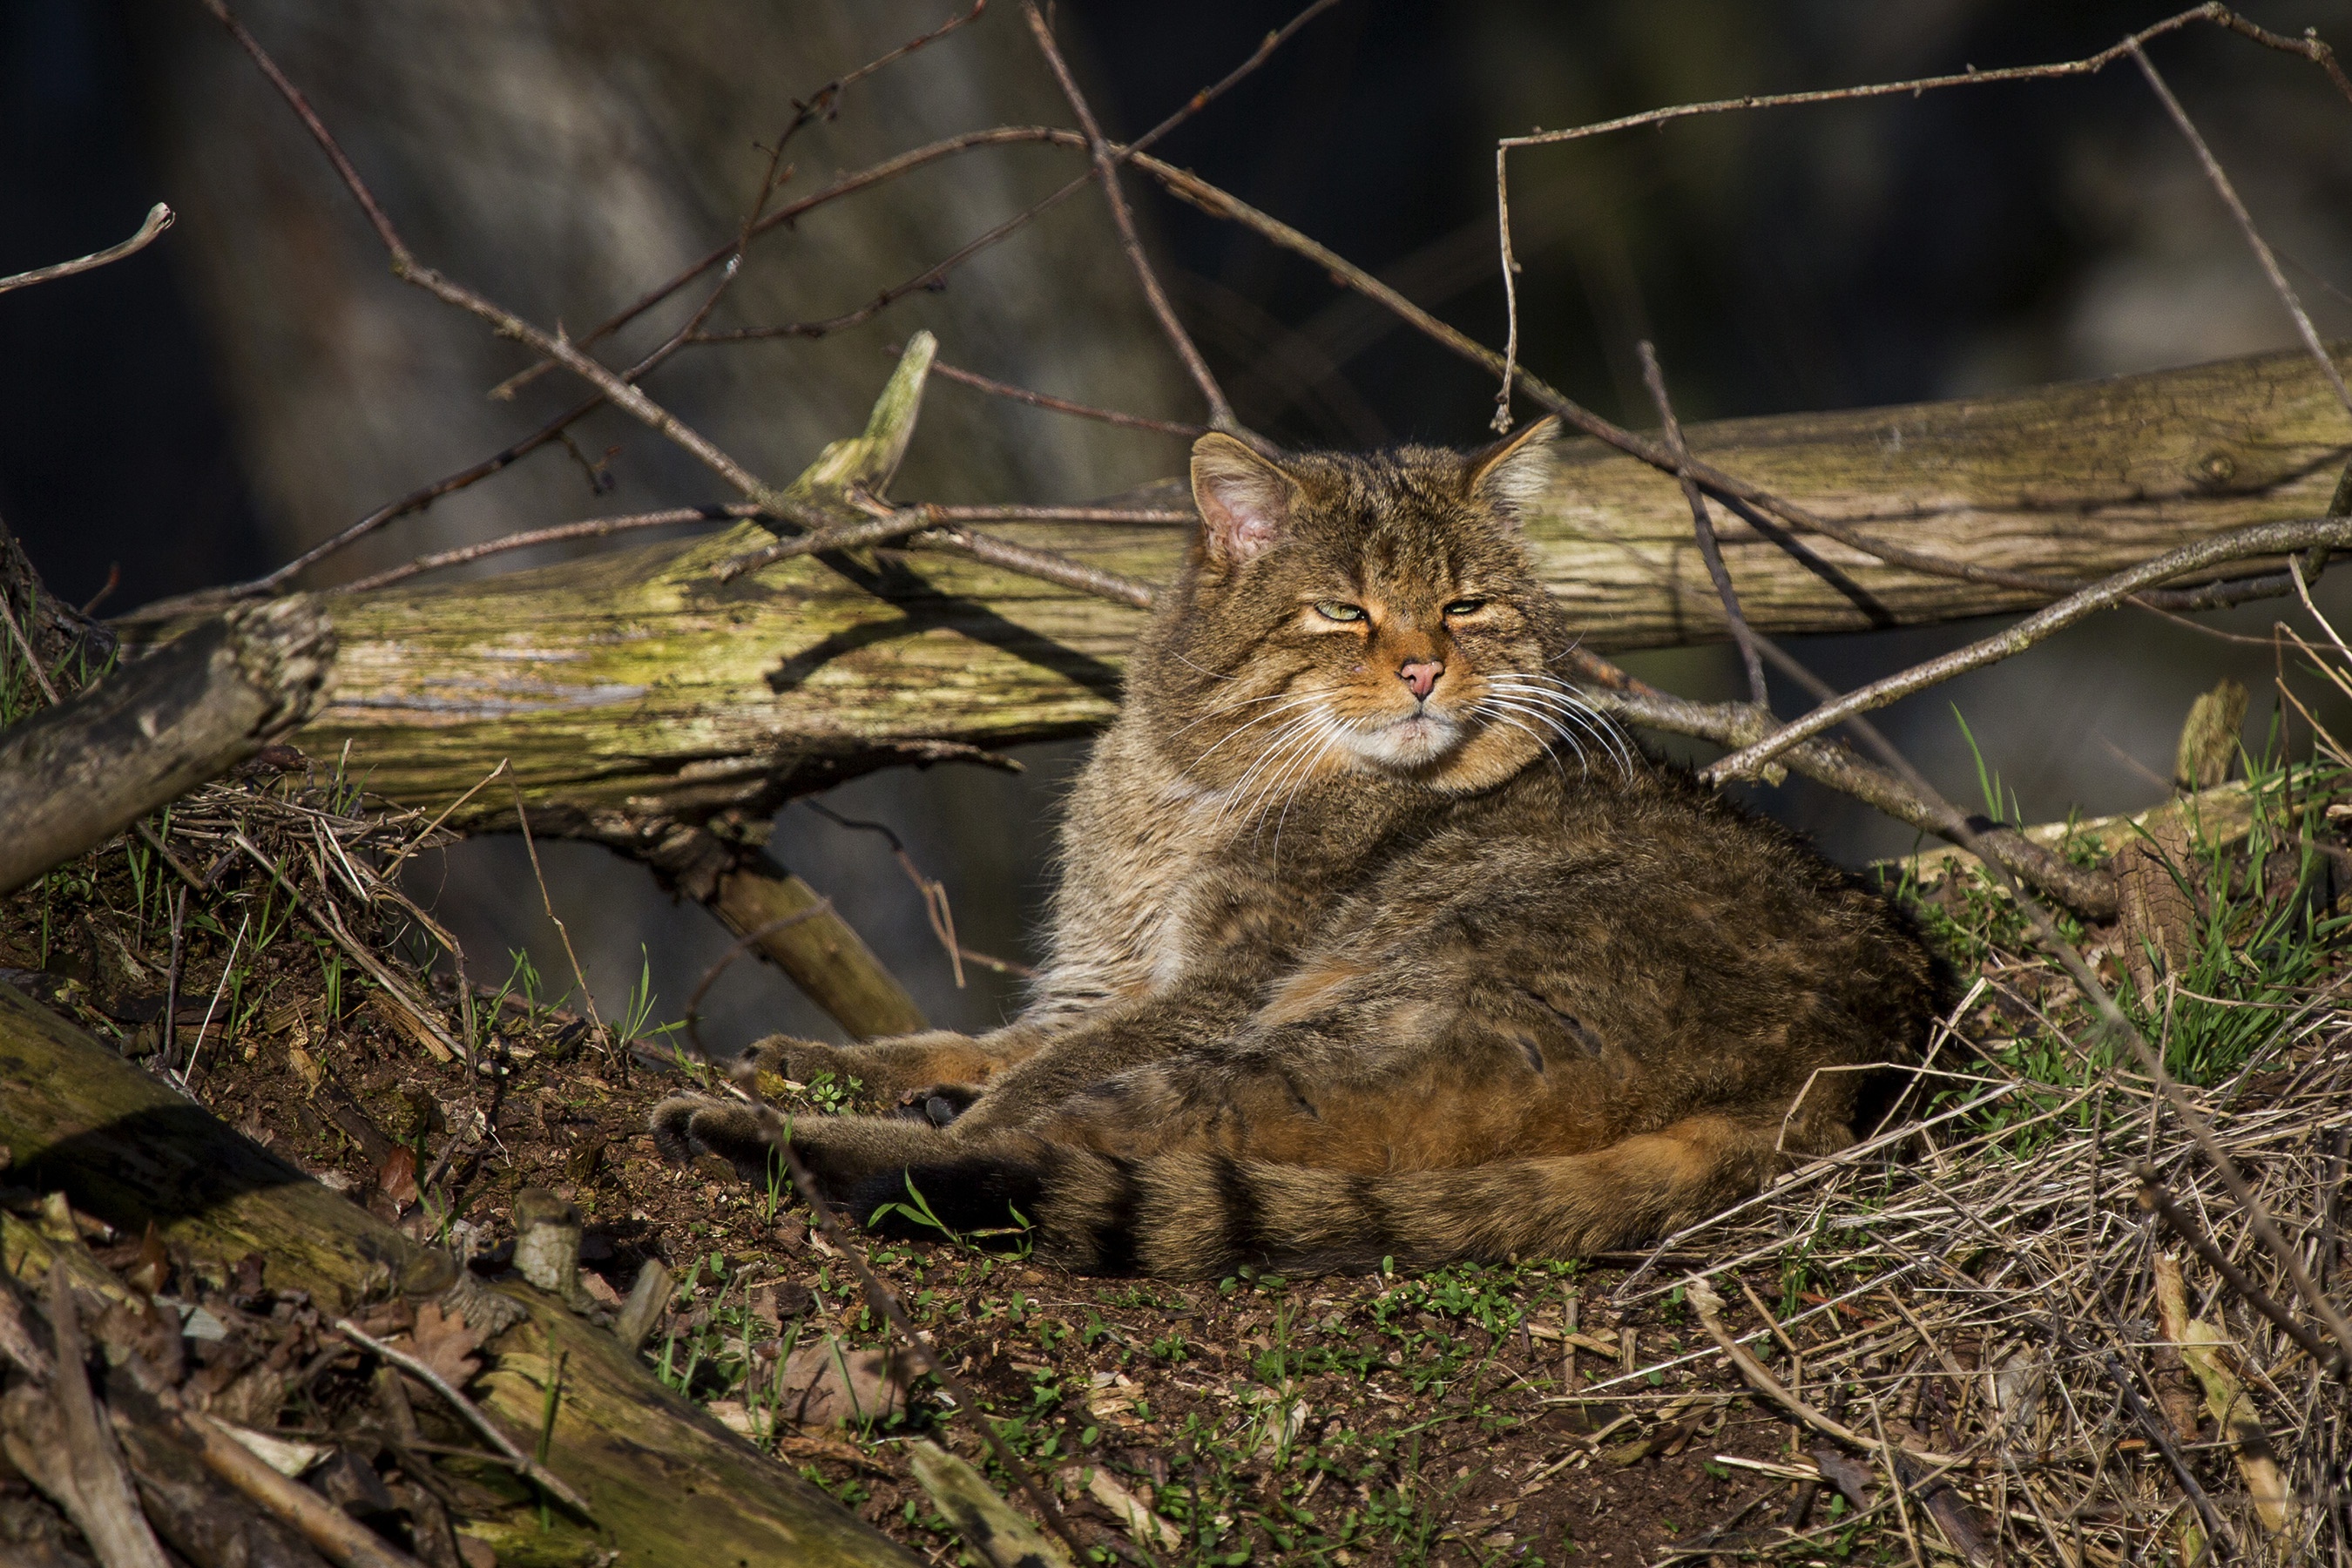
[[77, 775]]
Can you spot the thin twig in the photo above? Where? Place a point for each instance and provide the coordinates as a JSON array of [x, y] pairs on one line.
[[1710, 1308], [2229, 193], [735, 949], [547, 902], [1221, 412], [2157, 1200], [1062, 405], [952, 146], [409, 269], [159, 218], [521, 1463], [2261, 539], [901, 520], [25, 644], [562, 533], [1200, 193], [1703, 526]]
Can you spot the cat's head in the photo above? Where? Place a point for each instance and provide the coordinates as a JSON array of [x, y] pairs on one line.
[[1372, 613]]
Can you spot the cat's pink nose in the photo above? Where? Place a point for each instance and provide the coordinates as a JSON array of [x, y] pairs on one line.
[[1420, 676]]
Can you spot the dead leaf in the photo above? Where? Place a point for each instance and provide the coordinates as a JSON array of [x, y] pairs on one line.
[[153, 1268], [826, 1384], [396, 1177], [446, 1344]]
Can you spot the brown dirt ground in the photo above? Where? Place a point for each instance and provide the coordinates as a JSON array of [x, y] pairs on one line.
[[1373, 1420]]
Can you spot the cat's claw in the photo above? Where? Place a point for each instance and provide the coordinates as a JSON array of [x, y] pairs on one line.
[[939, 1104]]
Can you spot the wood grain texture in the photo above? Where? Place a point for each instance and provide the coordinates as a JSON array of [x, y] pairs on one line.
[[632, 690]]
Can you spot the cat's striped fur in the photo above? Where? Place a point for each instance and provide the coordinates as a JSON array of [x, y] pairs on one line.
[[1372, 940]]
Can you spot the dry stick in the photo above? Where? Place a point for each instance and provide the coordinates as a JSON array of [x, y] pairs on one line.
[[1710, 1306], [1895, 789], [1047, 566], [693, 1018], [419, 500], [886, 1302], [915, 526], [521, 1463], [159, 218], [25, 644], [436, 1037], [2229, 193], [605, 527], [2154, 1197], [408, 269], [547, 902], [595, 527], [1062, 405], [1702, 525], [892, 167], [1221, 412], [2261, 539], [342, 1538], [2309, 47], [903, 163], [108, 1512]]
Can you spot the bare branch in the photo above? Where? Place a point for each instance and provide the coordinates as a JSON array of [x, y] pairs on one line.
[[406, 266], [1064, 405], [1221, 412], [2229, 193], [594, 528], [2263, 539], [904, 162], [159, 218], [1703, 526]]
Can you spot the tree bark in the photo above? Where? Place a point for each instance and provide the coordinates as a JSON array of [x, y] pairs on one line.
[[126, 1149], [79, 774], [633, 692]]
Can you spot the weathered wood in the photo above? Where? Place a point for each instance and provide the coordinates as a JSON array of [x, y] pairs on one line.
[[787, 921], [75, 775], [667, 1483], [632, 691]]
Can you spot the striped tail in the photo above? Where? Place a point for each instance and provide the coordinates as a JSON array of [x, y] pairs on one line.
[[1201, 1214]]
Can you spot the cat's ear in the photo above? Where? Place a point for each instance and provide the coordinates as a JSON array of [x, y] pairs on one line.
[[1244, 500], [1513, 474]]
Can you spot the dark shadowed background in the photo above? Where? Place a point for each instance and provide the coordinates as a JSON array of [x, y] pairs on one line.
[[256, 380]]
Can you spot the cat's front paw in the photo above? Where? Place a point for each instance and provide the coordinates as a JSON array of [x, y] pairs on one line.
[[687, 1125], [803, 1062]]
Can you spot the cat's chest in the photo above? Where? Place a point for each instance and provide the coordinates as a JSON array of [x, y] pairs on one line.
[[1182, 877]]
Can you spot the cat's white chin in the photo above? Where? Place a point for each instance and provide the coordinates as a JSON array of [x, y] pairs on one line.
[[1408, 744]]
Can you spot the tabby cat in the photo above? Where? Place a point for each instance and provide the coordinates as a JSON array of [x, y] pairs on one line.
[[1371, 938]]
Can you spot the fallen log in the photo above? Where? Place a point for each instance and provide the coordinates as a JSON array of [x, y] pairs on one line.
[[664, 1482], [77, 775], [636, 696]]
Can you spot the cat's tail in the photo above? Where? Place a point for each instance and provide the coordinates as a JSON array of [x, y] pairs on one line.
[[1203, 1215]]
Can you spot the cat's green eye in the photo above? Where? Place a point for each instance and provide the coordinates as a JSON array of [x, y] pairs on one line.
[[1465, 606], [1333, 610]]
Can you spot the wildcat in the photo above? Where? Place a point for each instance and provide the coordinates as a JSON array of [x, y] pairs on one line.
[[1371, 940]]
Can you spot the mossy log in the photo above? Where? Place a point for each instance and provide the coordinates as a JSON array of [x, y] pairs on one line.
[[666, 1484], [633, 691]]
